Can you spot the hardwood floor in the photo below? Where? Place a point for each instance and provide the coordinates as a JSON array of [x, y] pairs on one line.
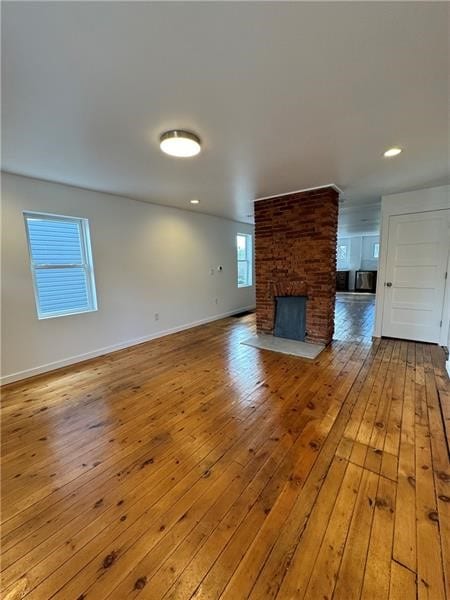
[[196, 467], [354, 316]]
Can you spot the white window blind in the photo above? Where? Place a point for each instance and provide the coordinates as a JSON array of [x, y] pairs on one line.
[[244, 259], [61, 264]]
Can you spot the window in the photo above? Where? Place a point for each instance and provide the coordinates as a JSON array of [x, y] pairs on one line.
[[376, 250], [244, 259], [342, 253], [61, 264]]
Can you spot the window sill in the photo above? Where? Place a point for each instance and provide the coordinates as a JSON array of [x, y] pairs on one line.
[[66, 314]]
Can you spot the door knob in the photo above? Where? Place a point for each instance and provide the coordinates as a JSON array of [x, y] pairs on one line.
[[388, 284]]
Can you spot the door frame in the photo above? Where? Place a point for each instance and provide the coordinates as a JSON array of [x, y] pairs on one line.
[[418, 201]]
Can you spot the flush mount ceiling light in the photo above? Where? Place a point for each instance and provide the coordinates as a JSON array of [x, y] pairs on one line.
[[180, 143], [392, 152], [195, 201]]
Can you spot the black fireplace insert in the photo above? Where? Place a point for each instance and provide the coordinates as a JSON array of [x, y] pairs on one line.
[[290, 317]]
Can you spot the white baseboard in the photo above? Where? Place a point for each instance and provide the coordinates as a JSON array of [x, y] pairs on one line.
[[71, 360]]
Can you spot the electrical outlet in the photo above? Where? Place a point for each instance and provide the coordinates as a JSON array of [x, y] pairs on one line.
[[156, 316]]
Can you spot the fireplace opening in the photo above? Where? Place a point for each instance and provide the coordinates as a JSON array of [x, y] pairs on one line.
[[290, 317]]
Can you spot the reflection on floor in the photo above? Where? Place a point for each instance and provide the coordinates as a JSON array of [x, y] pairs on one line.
[[193, 467], [354, 316]]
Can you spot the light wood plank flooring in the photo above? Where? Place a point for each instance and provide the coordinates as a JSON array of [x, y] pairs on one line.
[[354, 316], [196, 467]]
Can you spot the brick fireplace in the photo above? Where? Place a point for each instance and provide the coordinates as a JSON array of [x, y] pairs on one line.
[[295, 255]]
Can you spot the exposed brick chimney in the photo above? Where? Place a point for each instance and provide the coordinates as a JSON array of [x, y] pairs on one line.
[[295, 254]]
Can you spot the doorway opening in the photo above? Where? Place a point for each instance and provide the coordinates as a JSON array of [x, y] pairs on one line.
[[357, 252]]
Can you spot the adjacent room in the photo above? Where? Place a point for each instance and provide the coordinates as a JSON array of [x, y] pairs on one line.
[[357, 258], [225, 302]]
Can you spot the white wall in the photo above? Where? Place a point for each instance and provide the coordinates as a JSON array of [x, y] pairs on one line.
[[447, 364], [447, 311], [437, 198], [147, 259]]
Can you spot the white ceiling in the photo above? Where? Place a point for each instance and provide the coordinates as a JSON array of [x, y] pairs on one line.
[[359, 217], [285, 96]]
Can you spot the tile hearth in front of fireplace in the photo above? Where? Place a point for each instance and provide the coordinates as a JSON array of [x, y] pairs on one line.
[[265, 341]]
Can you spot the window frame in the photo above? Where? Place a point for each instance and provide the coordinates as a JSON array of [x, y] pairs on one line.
[[345, 258], [248, 259], [343, 264], [87, 263]]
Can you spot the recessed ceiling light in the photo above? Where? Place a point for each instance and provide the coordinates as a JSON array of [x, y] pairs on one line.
[[392, 152], [180, 143], [194, 201]]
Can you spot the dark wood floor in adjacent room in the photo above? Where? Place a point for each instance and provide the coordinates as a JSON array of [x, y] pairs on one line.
[[196, 467], [354, 316]]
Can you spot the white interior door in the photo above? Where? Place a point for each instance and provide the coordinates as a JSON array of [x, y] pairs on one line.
[[418, 247]]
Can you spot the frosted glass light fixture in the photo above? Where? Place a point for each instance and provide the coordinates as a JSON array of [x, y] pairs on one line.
[[179, 143]]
